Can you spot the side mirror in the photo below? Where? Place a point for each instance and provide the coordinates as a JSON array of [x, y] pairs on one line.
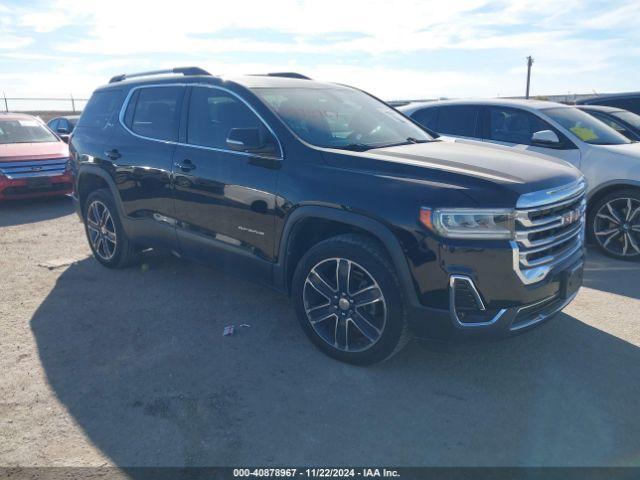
[[545, 138], [245, 139]]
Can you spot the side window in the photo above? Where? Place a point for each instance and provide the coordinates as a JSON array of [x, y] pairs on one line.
[[156, 112], [512, 125], [101, 109], [458, 120], [213, 113], [54, 124], [426, 117]]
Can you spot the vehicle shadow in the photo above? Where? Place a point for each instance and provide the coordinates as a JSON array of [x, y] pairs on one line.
[[138, 358], [22, 212], [612, 275]]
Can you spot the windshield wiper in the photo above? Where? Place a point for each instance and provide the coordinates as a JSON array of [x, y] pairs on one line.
[[408, 141]]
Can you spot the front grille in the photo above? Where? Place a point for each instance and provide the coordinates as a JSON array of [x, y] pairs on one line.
[[33, 168], [550, 232]]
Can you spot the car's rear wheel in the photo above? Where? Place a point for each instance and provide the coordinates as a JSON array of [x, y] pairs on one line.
[[615, 224], [348, 300], [107, 238]]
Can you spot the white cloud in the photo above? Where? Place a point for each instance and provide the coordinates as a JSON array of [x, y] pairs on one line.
[[353, 41]]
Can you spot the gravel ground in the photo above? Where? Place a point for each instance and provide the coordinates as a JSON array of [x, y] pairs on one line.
[[130, 368]]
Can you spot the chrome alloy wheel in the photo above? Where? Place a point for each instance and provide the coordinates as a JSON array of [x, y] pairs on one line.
[[344, 305], [616, 226], [101, 229]]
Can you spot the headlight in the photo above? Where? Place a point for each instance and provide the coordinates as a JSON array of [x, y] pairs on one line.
[[469, 222]]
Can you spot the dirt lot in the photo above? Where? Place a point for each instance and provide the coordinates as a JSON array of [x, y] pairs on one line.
[[130, 367]]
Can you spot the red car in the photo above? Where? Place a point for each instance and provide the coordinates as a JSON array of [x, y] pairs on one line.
[[33, 161]]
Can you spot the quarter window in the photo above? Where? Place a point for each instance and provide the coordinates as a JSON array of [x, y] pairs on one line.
[[458, 120], [213, 113], [512, 125], [156, 112], [101, 109]]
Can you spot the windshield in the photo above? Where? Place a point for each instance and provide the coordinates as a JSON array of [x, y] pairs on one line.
[[341, 118], [629, 117], [585, 127], [24, 131]]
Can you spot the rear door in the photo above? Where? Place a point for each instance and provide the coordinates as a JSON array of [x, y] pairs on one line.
[[515, 127], [141, 154], [458, 121], [225, 199]]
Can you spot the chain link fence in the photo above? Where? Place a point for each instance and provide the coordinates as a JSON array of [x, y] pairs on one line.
[[44, 107]]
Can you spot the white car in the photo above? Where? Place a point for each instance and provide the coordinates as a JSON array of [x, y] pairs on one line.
[[609, 161]]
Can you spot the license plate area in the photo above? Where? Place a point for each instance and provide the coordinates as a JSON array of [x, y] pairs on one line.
[[37, 183], [571, 281]]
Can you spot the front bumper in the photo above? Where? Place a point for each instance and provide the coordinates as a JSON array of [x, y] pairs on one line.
[[42, 186], [445, 324]]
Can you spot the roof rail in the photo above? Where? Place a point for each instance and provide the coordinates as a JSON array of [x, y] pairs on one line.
[[186, 71], [288, 75]]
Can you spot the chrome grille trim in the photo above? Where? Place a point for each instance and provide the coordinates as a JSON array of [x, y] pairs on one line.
[[33, 168], [550, 233]]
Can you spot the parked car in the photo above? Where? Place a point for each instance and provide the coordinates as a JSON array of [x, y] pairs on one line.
[[626, 101], [63, 126], [373, 227], [33, 161], [609, 160], [622, 121]]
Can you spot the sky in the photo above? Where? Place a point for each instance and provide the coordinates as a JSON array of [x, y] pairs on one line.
[[394, 49]]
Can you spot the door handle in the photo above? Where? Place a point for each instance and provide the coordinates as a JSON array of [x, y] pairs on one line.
[[112, 154], [186, 165]]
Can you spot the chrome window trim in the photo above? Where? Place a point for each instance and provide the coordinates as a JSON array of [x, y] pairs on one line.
[[127, 99]]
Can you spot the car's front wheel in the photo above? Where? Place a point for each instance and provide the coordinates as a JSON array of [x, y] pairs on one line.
[[107, 238], [348, 300], [614, 224]]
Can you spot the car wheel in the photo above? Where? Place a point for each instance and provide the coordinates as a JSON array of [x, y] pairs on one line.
[[348, 300], [614, 224], [107, 239]]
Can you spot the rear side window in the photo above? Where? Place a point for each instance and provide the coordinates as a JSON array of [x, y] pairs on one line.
[[426, 117], [154, 112], [458, 120], [101, 109], [512, 125], [213, 113]]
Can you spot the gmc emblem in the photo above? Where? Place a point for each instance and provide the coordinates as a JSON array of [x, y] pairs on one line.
[[570, 217]]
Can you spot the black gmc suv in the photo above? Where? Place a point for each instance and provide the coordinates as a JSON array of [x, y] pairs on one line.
[[373, 226]]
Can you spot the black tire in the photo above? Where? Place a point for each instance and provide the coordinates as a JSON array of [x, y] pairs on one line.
[[125, 253], [365, 259], [599, 224]]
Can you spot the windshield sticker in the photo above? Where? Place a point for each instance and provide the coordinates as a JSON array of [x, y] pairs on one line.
[[584, 134]]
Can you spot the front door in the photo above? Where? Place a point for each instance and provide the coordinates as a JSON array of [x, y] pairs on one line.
[[514, 127], [225, 199]]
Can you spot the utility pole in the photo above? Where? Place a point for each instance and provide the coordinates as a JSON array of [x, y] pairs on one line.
[[529, 63], [73, 103], [6, 105]]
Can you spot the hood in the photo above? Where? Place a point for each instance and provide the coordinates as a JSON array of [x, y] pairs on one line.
[[484, 172], [16, 152]]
